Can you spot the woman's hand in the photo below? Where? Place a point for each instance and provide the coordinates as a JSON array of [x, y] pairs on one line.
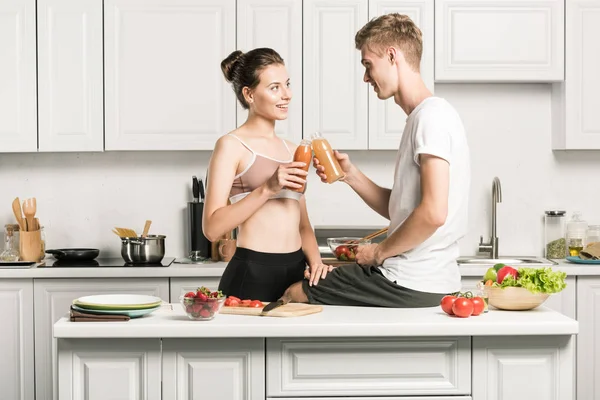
[[344, 161], [317, 271], [288, 176]]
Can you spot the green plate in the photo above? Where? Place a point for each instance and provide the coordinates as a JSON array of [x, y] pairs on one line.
[[118, 302], [130, 313]]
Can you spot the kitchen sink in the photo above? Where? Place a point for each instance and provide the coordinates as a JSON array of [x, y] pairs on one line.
[[504, 260]]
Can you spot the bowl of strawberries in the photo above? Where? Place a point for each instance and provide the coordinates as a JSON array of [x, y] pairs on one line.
[[203, 304]]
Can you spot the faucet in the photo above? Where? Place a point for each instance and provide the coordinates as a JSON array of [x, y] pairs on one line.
[[492, 246]]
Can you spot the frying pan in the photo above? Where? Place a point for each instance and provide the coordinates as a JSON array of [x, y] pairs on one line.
[[74, 254]]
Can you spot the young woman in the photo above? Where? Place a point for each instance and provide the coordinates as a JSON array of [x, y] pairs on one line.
[[253, 169]]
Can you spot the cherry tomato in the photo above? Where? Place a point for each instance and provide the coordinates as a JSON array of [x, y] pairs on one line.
[[462, 307], [256, 304], [234, 303], [447, 303], [478, 305], [190, 294]]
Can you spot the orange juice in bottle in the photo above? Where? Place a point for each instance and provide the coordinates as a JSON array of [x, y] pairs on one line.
[[324, 154], [303, 154]]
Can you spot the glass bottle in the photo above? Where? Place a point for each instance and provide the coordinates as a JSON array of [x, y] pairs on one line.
[[11, 252], [303, 154], [576, 233], [482, 292], [42, 243], [555, 234], [593, 234], [327, 159]]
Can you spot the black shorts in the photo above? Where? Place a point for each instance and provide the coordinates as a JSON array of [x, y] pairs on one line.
[[261, 276], [353, 285]]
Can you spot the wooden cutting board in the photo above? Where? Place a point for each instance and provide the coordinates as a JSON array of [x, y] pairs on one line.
[[286, 310], [335, 262]]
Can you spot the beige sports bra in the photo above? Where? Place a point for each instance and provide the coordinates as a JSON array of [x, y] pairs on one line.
[[258, 171]]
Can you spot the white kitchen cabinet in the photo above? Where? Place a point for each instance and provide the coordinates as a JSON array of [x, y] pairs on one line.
[[125, 369], [52, 300], [180, 286], [564, 302], [386, 118], [224, 369], [588, 349], [18, 97], [335, 96], [16, 350], [499, 41], [535, 367], [298, 367], [575, 103], [276, 24], [380, 398], [164, 89], [71, 91]]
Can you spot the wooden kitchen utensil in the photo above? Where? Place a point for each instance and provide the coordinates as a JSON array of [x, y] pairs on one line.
[[146, 228], [30, 245], [286, 310], [370, 236], [29, 209], [16, 206], [125, 232]]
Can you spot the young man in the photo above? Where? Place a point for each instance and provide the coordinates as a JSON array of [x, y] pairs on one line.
[[415, 266]]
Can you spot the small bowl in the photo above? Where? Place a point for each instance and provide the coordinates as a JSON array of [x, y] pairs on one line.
[[348, 252], [201, 310], [514, 298]]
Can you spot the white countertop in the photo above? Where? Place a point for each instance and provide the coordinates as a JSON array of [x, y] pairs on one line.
[[334, 321], [215, 269]]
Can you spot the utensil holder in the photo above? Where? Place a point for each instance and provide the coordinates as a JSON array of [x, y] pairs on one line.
[[30, 245]]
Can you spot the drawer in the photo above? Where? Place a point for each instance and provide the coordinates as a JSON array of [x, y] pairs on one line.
[[368, 367], [379, 398]]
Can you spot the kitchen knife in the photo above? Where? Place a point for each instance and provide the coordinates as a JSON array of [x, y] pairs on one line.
[[274, 304], [201, 189], [195, 189]]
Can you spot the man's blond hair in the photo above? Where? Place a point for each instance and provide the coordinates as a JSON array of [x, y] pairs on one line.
[[392, 30]]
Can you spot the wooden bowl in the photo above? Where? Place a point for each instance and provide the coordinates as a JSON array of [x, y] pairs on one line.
[[514, 298]]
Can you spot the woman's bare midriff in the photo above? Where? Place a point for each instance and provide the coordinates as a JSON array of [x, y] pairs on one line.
[[274, 228]]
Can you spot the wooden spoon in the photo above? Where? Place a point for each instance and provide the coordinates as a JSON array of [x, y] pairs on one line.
[[146, 228], [29, 209], [16, 206]]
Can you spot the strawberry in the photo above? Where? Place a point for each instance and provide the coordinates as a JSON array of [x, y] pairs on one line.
[[190, 294]]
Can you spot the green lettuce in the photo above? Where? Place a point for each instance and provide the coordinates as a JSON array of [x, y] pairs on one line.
[[536, 280]]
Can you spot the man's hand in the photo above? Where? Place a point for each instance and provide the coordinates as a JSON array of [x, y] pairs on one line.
[[366, 255], [344, 161], [317, 271]]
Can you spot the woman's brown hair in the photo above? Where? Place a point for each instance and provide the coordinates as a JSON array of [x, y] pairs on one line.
[[243, 69]]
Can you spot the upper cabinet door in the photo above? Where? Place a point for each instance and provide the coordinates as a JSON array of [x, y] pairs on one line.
[[335, 96], [386, 118], [70, 75], [499, 40], [164, 85], [18, 103], [576, 120], [276, 24]]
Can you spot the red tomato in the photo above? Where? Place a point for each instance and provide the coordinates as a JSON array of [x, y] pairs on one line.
[[190, 294], [234, 298], [227, 301], [478, 305], [447, 303], [246, 303], [234, 303], [505, 271], [462, 307], [256, 304], [342, 250]]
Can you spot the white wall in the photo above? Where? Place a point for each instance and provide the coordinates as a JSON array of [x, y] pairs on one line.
[[81, 197]]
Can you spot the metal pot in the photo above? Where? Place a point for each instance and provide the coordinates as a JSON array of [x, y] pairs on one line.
[[143, 250]]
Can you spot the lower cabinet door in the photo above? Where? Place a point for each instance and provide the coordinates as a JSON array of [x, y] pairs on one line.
[[180, 286], [101, 369], [378, 398], [223, 369], [363, 367]]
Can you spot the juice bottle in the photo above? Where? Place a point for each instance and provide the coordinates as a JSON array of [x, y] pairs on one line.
[[303, 154], [324, 154]]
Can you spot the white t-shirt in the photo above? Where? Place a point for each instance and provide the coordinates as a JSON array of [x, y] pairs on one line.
[[433, 127]]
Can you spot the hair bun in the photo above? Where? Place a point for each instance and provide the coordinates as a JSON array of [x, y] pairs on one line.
[[229, 64]]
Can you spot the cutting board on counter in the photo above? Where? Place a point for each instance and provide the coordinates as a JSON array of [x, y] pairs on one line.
[[335, 262], [286, 310]]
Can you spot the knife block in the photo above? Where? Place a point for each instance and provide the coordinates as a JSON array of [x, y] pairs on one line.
[[198, 242]]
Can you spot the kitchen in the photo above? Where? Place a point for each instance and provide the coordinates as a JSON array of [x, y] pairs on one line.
[[89, 183]]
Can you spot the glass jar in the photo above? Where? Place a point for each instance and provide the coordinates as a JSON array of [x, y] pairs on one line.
[[593, 234], [555, 234], [11, 247], [482, 292], [42, 243], [576, 234]]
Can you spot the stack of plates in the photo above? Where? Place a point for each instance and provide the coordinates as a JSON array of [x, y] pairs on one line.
[[133, 305]]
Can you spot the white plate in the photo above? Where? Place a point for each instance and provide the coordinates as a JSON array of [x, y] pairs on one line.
[[118, 301]]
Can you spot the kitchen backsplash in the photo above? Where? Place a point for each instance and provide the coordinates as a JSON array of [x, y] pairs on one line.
[[82, 196]]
